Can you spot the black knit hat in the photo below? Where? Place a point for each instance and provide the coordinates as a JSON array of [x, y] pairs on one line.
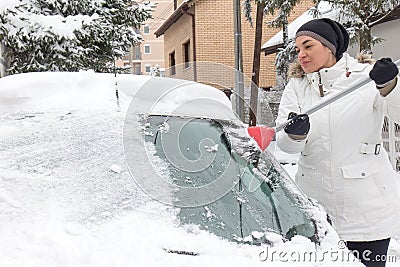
[[330, 33]]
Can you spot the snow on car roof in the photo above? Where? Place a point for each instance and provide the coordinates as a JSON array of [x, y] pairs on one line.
[[174, 97], [86, 89], [55, 90]]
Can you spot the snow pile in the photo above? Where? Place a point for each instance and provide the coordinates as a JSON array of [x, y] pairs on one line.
[[44, 24], [9, 4], [42, 91]]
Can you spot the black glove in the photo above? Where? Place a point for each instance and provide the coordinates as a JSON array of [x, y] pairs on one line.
[[299, 125], [383, 72]]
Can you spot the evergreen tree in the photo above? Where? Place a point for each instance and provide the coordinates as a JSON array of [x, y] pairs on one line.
[[359, 16], [64, 35], [284, 57]]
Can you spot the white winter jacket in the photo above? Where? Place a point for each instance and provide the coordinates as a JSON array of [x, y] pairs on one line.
[[343, 164]]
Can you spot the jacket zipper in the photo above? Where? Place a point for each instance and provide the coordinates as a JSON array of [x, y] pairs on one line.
[[321, 89]]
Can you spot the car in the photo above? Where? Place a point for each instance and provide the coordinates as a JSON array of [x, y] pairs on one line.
[[99, 170]]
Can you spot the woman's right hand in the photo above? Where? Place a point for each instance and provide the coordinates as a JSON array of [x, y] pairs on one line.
[[298, 127]]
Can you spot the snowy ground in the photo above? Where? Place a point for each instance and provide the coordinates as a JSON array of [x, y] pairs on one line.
[[67, 198]]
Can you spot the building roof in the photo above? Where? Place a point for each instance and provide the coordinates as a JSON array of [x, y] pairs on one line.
[[276, 42], [178, 13], [382, 18]]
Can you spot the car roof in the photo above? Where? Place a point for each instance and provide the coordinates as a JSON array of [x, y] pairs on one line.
[[149, 95], [175, 97]]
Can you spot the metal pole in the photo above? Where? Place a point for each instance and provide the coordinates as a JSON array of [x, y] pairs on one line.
[[239, 86], [3, 62]]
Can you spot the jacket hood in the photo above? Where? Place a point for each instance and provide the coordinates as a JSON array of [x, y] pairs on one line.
[[295, 70]]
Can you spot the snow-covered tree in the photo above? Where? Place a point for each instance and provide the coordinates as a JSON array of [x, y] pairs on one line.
[[285, 56], [281, 10], [64, 35], [155, 70], [359, 16]]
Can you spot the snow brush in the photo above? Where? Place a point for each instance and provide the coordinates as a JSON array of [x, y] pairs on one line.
[[263, 135]]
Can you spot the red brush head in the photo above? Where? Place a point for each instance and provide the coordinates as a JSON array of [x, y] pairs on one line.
[[263, 135]]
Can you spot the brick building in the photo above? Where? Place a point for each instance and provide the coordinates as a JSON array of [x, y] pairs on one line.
[[203, 31], [150, 52]]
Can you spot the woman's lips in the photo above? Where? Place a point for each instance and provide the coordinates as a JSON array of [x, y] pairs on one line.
[[305, 63]]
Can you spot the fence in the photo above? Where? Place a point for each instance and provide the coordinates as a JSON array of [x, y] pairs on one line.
[[391, 141]]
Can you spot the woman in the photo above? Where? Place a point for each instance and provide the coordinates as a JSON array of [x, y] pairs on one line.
[[342, 163]]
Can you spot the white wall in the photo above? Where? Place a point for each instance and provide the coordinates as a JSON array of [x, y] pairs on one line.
[[390, 32]]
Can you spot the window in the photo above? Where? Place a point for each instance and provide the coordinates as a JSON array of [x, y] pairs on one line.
[[147, 49], [172, 62], [137, 55], [147, 68], [146, 29], [186, 53]]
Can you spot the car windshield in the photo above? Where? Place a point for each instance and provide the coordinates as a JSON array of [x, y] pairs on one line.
[[258, 198]]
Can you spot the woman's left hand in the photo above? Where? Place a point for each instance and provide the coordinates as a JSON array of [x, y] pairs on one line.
[[383, 72]]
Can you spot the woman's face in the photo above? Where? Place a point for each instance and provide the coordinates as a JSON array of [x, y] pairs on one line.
[[313, 55]]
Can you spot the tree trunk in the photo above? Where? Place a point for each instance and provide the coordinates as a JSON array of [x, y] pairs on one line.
[[256, 64], [365, 39], [285, 31]]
